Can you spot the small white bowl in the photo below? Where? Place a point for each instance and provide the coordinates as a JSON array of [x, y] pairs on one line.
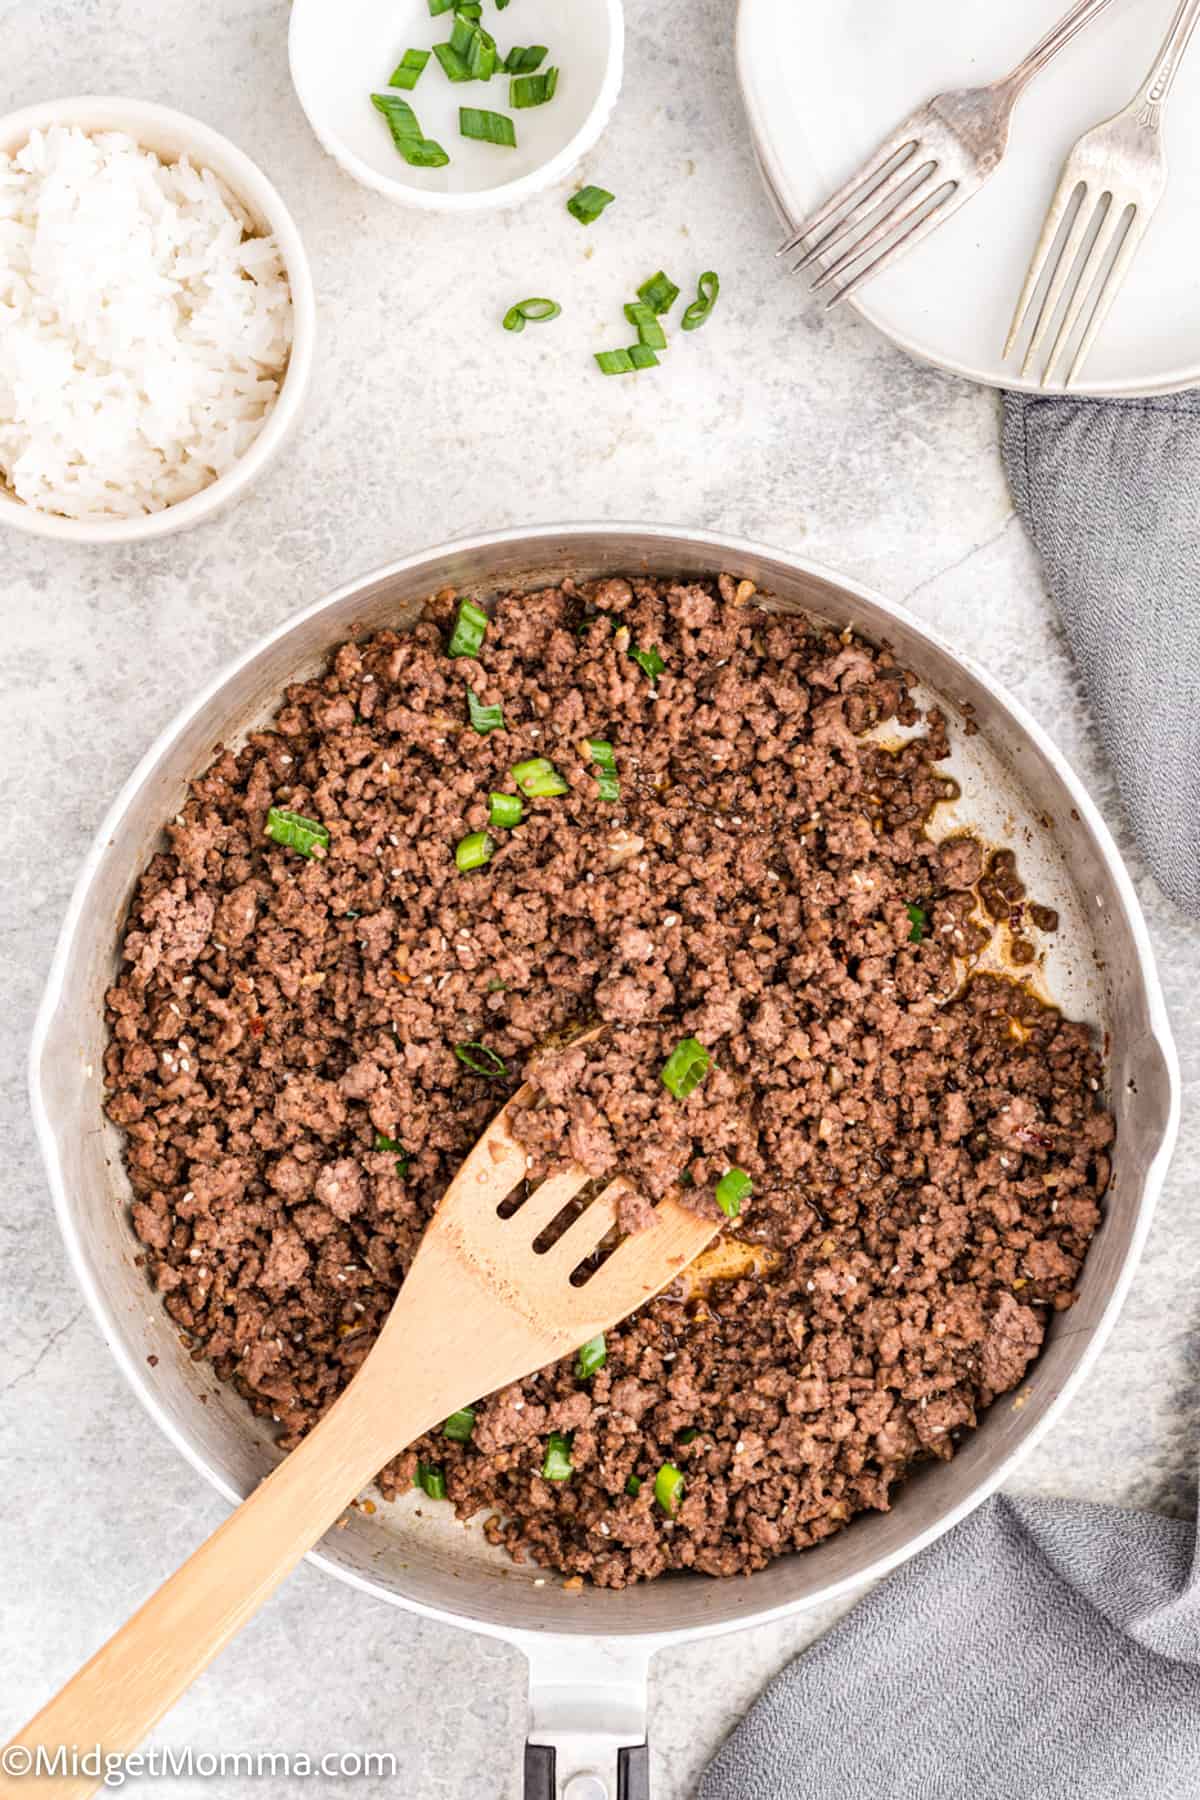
[[170, 135], [342, 51]]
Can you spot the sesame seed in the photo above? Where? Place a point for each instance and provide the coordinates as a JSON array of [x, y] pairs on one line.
[[540, 1582], [739, 1447]]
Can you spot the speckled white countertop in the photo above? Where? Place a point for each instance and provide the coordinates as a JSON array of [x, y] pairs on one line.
[[425, 421]]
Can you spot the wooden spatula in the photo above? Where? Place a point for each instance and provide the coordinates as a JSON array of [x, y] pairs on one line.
[[496, 1308]]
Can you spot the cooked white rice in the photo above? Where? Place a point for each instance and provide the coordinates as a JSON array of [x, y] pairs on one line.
[[144, 330]]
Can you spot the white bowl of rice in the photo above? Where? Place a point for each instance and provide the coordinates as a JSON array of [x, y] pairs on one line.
[[156, 320]]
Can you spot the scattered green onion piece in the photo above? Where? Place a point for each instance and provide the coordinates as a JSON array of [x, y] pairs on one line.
[[352, 915], [484, 718], [589, 203], [439, 6], [659, 292], [295, 832], [539, 778], [732, 1189], [642, 356], [919, 918], [475, 46], [496, 986], [500, 5], [668, 1488], [649, 661], [470, 9], [483, 1061], [470, 628], [487, 127], [534, 312], [592, 1356], [532, 90], [606, 768], [460, 1425], [644, 320], [418, 151], [505, 809], [633, 1486], [614, 362], [524, 59], [409, 69], [558, 1465], [384, 1142], [689, 1436], [473, 851], [429, 1477], [686, 1067], [695, 315], [453, 66]]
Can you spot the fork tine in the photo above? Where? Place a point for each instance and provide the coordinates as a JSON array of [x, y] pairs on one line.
[[869, 172], [880, 226], [1063, 195], [1068, 256], [952, 197], [1110, 289], [585, 1232], [901, 175], [547, 1201], [649, 1260], [1102, 243]]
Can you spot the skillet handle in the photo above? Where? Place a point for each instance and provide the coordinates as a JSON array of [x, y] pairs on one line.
[[587, 1719]]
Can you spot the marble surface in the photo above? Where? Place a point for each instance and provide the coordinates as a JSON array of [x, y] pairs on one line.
[[426, 420]]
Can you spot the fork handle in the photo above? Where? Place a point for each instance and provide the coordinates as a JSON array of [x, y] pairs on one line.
[[1157, 84], [1081, 14]]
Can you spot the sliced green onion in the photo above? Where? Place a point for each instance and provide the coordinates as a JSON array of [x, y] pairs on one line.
[[453, 66], [601, 752], [295, 832], [642, 356], [487, 127], [475, 46], [484, 718], [644, 320], [695, 315], [506, 810], [460, 1425], [532, 90], [483, 1061], [614, 362], [558, 1465], [473, 851], [500, 5], [633, 1486], [918, 918], [732, 1189], [659, 292], [536, 312], [689, 1436], [591, 1356], [668, 1488], [430, 1477], [589, 203], [419, 151], [469, 629], [523, 60], [496, 986], [539, 778], [439, 6], [686, 1067], [648, 661], [470, 9], [409, 69], [384, 1142]]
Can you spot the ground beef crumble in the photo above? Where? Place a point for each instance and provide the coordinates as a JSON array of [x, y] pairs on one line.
[[927, 1150]]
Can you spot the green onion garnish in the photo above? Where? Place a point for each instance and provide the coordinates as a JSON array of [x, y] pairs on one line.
[[668, 1488], [460, 1425], [589, 203], [475, 46], [506, 810], [532, 90], [409, 69], [644, 320], [592, 1356], [642, 356], [470, 9], [467, 637], [919, 919], [429, 1477], [496, 986], [686, 1067], [614, 362], [453, 66], [419, 151], [606, 768], [649, 661], [534, 311], [539, 778], [500, 5], [487, 127], [659, 292], [689, 1436], [295, 832], [484, 718], [473, 851], [558, 1465], [732, 1189], [440, 6], [709, 287], [483, 1061], [523, 60], [633, 1486], [384, 1142]]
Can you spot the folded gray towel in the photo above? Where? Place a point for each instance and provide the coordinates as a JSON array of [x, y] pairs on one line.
[[1109, 490], [1043, 1650]]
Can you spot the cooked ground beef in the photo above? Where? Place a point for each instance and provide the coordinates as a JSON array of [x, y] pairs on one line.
[[927, 1150]]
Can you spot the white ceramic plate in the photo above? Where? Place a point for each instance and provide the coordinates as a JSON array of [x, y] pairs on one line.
[[825, 80]]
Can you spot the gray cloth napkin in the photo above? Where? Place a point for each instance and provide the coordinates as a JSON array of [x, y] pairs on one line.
[[1042, 1650], [1109, 491]]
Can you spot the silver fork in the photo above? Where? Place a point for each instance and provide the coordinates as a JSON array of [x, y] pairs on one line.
[[1110, 186], [933, 163]]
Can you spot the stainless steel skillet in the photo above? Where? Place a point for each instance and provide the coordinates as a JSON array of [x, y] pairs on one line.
[[589, 1652]]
